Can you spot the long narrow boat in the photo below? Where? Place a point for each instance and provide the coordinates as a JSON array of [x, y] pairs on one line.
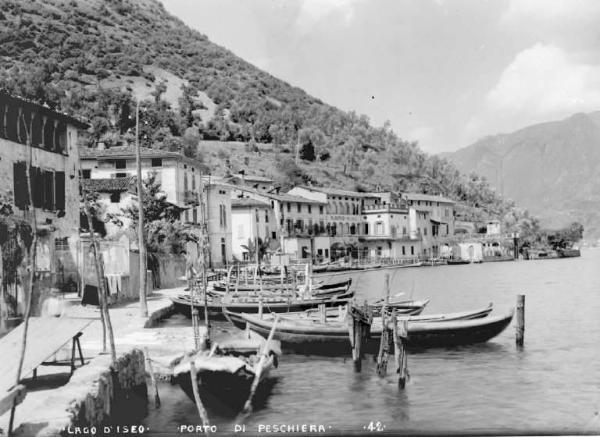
[[225, 374], [317, 287], [337, 314], [275, 304], [314, 337], [456, 262]]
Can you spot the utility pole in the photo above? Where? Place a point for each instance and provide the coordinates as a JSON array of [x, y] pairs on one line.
[[141, 236]]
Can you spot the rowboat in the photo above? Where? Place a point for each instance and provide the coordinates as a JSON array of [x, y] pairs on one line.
[[317, 287], [225, 374], [251, 304], [312, 336], [455, 262]]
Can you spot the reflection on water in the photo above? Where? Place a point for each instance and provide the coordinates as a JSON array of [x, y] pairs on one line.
[[551, 385]]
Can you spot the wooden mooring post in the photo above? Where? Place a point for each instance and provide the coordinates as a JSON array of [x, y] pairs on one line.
[[520, 330], [322, 313], [400, 333], [386, 334], [153, 385], [359, 326]]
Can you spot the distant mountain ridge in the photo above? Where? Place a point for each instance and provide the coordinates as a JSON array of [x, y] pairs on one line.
[[552, 168]]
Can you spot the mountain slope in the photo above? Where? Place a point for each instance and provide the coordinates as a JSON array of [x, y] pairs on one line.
[[91, 58], [553, 169]]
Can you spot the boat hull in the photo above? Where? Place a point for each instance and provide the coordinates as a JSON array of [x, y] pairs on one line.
[[334, 339], [183, 305]]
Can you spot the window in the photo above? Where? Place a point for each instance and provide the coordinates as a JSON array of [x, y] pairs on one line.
[[156, 162], [304, 251], [86, 173], [379, 250], [425, 231], [404, 230], [412, 250], [256, 214], [195, 215], [326, 253], [299, 205], [403, 250], [187, 216], [223, 216], [273, 235], [289, 207], [266, 216], [120, 175], [120, 163], [309, 208], [115, 197], [321, 209]]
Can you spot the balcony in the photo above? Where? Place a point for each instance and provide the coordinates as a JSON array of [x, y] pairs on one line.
[[398, 208], [190, 198]]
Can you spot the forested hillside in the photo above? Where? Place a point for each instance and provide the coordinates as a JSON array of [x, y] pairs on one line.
[[93, 58]]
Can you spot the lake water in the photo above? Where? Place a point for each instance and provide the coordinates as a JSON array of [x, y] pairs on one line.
[[552, 385]]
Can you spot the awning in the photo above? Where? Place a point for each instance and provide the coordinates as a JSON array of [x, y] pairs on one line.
[[436, 222]]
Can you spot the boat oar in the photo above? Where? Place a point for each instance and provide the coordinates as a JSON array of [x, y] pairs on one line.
[[201, 409], [259, 368]]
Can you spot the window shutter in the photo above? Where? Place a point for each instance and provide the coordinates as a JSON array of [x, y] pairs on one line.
[[20, 185], [48, 190], [59, 190], [37, 191]]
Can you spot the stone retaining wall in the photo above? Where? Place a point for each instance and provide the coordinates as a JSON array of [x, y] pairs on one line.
[[98, 395]]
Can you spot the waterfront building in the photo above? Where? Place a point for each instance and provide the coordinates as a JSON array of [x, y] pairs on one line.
[[217, 202], [181, 182], [343, 216], [251, 219], [298, 224], [387, 232], [113, 196], [432, 222], [48, 141]]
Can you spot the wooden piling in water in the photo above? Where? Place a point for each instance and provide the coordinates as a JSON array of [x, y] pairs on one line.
[[520, 331], [359, 324], [384, 343], [400, 334], [322, 313], [153, 385]]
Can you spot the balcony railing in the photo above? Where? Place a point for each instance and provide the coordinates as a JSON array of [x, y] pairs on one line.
[[190, 197], [393, 207]]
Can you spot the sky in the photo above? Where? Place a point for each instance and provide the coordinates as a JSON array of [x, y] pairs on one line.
[[443, 72]]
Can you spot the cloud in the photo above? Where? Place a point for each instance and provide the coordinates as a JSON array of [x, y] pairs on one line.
[[542, 83], [313, 11], [568, 23]]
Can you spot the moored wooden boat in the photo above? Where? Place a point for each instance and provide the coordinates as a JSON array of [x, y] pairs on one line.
[[312, 336], [275, 304], [459, 261], [225, 374]]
